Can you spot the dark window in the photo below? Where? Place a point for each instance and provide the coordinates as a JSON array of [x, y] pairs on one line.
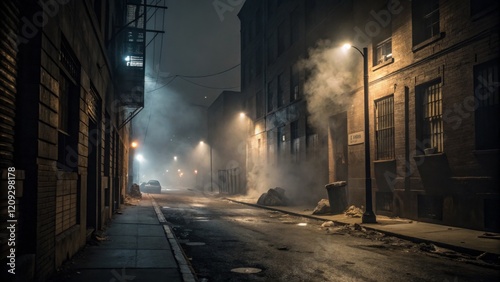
[[281, 90], [258, 61], [258, 21], [384, 128], [295, 148], [294, 84], [272, 48], [429, 110], [486, 102], [271, 8], [281, 143], [425, 19], [69, 97], [478, 6], [260, 105], [294, 25], [271, 93], [282, 38]]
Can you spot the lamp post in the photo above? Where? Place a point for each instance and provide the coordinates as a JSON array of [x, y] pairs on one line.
[[368, 216]]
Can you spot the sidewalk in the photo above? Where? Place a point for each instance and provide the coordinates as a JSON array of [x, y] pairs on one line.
[[136, 246], [453, 238]]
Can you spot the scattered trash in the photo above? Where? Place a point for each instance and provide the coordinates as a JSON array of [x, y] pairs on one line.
[[323, 207], [327, 224], [135, 191], [354, 211]]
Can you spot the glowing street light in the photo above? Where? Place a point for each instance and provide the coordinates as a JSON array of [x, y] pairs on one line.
[[175, 158], [369, 216], [134, 144], [140, 158]]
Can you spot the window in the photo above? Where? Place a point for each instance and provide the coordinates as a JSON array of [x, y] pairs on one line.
[[271, 8], [425, 20], [384, 128], [281, 143], [294, 84], [383, 52], [486, 96], [281, 90], [259, 104], [258, 61], [312, 141], [69, 97], [430, 117], [294, 25], [282, 38], [478, 6], [272, 48], [271, 92], [270, 146], [295, 149]]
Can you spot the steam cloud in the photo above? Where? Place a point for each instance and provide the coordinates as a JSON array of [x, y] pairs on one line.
[[331, 76]]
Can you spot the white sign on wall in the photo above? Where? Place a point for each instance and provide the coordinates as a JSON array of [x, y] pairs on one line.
[[356, 138]]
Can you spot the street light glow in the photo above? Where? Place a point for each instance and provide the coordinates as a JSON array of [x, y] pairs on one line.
[[139, 157], [175, 158], [134, 144], [242, 115], [346, 46]]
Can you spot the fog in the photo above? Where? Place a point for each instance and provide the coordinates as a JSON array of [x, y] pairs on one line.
[[195, 42], [330, 80]]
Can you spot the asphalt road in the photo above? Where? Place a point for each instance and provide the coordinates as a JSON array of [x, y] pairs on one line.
[[226, 241]]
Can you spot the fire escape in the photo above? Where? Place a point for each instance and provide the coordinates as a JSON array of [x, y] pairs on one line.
[[131, 61]]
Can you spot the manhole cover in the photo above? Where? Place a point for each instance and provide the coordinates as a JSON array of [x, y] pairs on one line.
[[246, 270], [195, 243]]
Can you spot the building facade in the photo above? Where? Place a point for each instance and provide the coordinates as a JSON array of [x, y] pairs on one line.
[[227, 131], [66, 120], [433, 100]]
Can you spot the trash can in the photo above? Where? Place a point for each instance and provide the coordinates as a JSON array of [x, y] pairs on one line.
[[337, 196]]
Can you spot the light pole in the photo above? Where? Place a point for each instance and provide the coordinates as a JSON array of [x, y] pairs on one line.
[[368, 216]]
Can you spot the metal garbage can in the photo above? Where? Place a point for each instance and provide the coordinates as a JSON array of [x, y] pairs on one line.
[[337, 196]]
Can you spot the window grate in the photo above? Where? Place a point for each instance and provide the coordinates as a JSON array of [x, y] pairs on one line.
[[431, 116], [384, 128]]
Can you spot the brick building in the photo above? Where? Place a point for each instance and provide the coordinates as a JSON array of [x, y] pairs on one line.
[[73, 78], [433, 101]]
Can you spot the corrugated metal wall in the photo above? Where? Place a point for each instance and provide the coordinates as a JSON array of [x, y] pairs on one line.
[[9, 19]]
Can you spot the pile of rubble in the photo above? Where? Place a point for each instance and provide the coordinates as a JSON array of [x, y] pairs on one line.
[[273, 197], [354, 211]]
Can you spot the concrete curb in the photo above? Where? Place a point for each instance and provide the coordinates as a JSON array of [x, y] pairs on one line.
[[459, 249], [184, 265]]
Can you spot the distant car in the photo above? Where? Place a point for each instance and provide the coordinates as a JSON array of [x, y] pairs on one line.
[[153, 186]]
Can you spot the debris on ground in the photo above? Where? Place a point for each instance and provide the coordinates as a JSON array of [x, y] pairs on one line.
[[489, 235], [273, 197], [135, 191], [322, 207], [327, 224], [354, 211]]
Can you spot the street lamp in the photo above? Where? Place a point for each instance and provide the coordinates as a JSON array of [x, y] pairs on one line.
[[369, 216]]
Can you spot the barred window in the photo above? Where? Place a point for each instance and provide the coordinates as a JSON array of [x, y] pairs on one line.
[[486, 96], [384, 128], [294, 84], [429, 110]]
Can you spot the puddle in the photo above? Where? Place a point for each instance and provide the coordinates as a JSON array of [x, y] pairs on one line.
[[201, 218], [246, 270], [302, 224], [165, 207]]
